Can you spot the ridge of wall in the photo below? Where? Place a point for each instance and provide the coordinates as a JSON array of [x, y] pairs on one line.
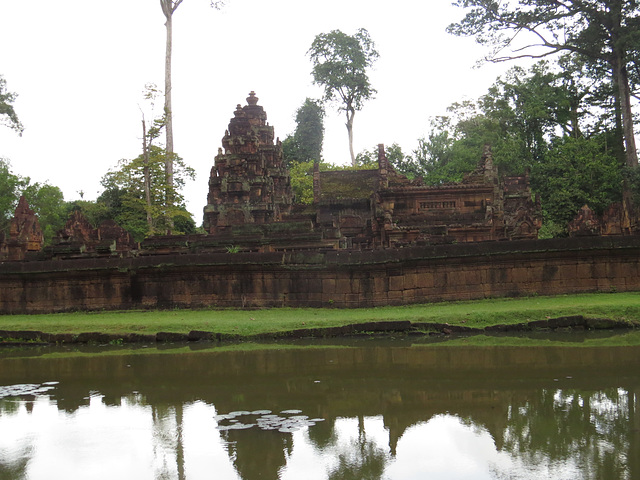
[[338, 278]]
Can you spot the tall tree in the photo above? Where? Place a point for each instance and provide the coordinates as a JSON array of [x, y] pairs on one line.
[[168, 9], [8, 114], [604, 32], [306, 142], [340, 64]]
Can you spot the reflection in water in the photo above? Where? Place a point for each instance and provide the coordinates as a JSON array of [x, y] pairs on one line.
[[593, 428], [390, 413]]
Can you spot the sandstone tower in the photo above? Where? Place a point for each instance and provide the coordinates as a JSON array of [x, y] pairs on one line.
[[249, 182]]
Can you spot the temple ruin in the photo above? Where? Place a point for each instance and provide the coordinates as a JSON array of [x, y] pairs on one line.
[[251, 207], [250, 200], [369, 238]]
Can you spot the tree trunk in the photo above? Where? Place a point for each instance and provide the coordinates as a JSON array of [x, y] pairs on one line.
[[350, 114], [147, 176], [168, 163], [631, 153], [621, 82]]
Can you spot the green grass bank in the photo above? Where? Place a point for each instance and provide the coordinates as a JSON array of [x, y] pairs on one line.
[[476, 314]]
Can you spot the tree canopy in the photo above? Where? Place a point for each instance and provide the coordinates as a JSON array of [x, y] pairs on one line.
[[11, 186], [306, 142], [340, 64], [46, 200], [126, 197], [544, 121], [604, 33], [8, 115]]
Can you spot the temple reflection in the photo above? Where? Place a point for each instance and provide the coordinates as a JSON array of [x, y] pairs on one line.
[[526, 409]]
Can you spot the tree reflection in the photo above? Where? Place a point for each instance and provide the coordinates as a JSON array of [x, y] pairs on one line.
[[589, 427], [364, 460], [14, 465], [257, 453], [167, 442]]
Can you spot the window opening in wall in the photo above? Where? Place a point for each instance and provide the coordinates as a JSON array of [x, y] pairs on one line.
[[437, 205]]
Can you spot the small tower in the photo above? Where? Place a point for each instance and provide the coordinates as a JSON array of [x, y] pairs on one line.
[[25, 234]]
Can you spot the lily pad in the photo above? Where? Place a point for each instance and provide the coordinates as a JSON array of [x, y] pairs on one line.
[[24, 389], [288, 429], [287, 422]]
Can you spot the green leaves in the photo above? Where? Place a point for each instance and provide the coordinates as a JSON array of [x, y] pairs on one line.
[[46, 200], [601, 33], [340, 64], [306, 143], [125, 194], [10, 188], [8, 115]]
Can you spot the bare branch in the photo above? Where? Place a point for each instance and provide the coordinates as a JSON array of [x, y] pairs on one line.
[[176, 4]]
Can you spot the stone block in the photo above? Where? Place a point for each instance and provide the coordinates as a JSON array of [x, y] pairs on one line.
[[395, 295], [396, 283], [410, 281], [315, 285], [328, 286], [381, 284], [424, 280], [343, 286], [520, 275], [356, 285]]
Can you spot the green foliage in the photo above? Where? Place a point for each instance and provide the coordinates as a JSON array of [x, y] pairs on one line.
[[368, 159], [551, 229], [340, 64], [302, 181], [576, 172], [10, 188], [47, 201], [602, 34], [301, 174], [94, 211], [440, 158], [8, 115], [124, 195], [546, 120], [306, 143]]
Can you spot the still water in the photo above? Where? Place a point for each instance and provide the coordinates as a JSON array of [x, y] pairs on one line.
[[366, 410]]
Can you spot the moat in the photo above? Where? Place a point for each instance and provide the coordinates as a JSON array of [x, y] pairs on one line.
[[375, 408]]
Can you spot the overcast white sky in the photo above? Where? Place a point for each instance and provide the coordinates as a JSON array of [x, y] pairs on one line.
[[80, 66]]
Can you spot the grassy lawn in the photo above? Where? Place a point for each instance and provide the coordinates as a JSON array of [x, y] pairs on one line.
[[617, 306]]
